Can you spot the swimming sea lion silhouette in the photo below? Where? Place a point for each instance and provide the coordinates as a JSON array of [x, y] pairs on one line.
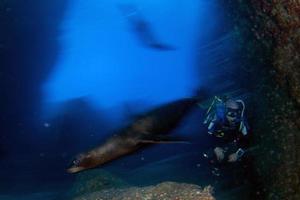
[[143, 29], [151, 128]]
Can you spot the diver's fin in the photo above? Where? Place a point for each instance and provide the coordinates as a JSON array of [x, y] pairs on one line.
[[162, 139]]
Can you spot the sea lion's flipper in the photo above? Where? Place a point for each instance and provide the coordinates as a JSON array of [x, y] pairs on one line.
[[162, 139]]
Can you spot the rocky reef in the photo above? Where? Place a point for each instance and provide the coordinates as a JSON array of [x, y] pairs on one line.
[[101, 184], [269, 36], [95, 181], [162, 191]]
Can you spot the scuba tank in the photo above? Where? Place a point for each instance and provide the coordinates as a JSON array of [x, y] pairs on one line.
[[215, 110]]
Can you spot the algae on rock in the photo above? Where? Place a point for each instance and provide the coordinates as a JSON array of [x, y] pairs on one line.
[[165, 190], [95, 180]]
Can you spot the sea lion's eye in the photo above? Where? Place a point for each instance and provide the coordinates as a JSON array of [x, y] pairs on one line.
[[76, 162]]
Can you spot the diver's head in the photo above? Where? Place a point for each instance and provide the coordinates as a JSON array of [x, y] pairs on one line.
[[233, 111]]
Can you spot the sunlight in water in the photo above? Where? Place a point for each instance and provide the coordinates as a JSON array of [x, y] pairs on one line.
[[102, 59]]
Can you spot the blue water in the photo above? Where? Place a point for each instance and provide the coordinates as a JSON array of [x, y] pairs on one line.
[[101, 58], [77, 71]]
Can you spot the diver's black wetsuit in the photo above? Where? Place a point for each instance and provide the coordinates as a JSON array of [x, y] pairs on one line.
[[227, 136]]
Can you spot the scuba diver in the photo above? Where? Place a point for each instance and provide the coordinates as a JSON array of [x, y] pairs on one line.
[[143, 29], [228, 127]]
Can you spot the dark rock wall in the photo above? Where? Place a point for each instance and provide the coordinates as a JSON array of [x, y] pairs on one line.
[[269, 33]]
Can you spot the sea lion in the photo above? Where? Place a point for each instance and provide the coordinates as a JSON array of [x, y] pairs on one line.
[[151, 128], [143, 29]]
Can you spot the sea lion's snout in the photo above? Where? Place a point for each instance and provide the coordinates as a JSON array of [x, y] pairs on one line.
[[73, 170]]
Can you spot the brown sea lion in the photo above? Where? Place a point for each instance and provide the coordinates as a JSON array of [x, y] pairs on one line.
[[150, 128]]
